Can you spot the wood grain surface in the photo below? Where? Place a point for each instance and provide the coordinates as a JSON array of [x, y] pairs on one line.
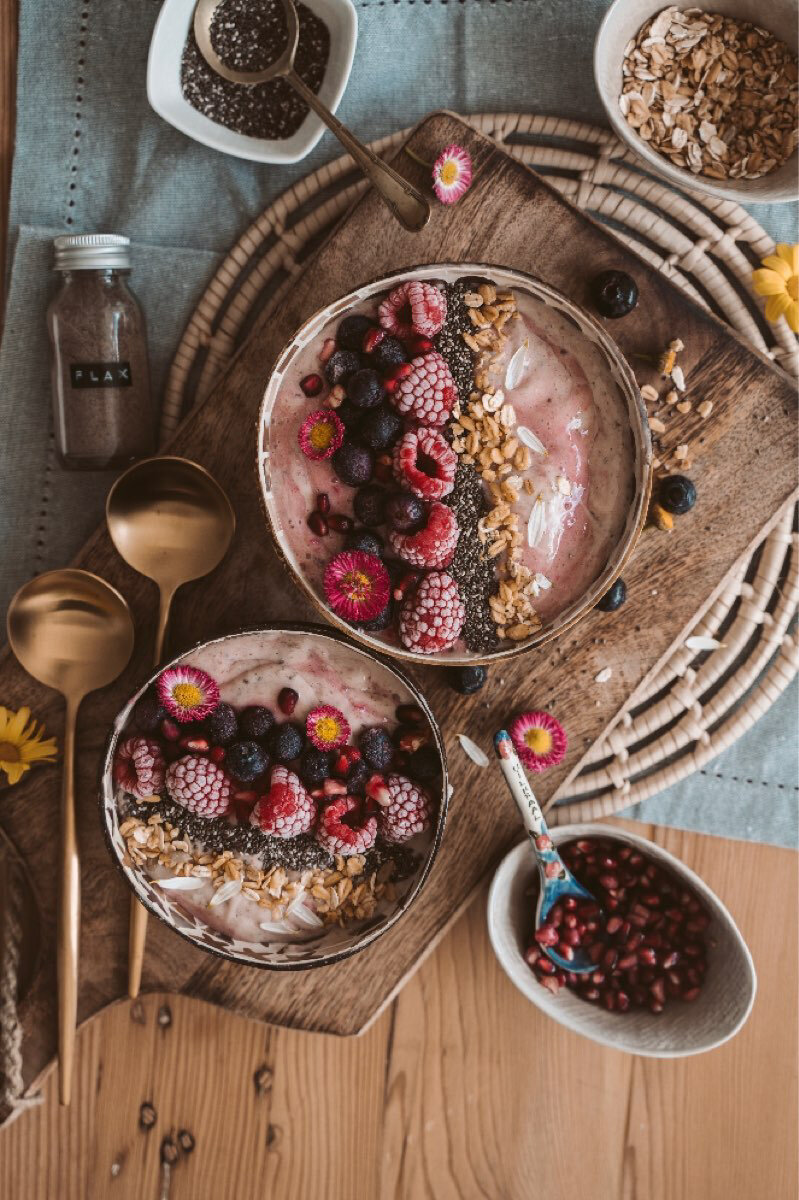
[[509, 216]]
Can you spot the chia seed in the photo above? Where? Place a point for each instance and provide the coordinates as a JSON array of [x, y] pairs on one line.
[[249, 35], [450, 343]]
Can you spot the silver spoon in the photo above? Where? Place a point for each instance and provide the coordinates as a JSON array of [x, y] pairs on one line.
[[406, 203], [557, 881]]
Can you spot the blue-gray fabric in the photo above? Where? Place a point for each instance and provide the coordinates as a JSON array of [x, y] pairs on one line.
[[91, 155]]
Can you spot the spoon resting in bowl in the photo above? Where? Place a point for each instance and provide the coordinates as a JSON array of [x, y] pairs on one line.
[[559, 888]]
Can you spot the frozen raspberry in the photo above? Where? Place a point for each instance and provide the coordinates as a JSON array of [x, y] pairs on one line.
[[427, 393], [425, 462], [432, 617], [286, 810], [338, 831], [408, 811], [199, 785], [434, 544], [139, 767], [413, 308]]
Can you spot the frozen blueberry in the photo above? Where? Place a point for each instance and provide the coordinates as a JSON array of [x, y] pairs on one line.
[[380, 427], [677, 494], [378, 623], [467, 680], [350, 415], [357, 777], [366, 540], [340, 365], [369, 505], [255, 721], [353, 464], [222, 726], [615, 293], [614, 598], [405, 512], [377, 748], [245, 761], [148, 713], [389, 353], [314, 767], [286, 742], [351, 331], [364, 388], [424, 764]]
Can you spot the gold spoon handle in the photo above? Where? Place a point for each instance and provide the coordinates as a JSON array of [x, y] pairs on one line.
[[405, 201], [68, 913]]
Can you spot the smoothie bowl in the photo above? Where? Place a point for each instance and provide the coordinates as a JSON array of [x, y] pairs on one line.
[[276, 796], [454, 462]]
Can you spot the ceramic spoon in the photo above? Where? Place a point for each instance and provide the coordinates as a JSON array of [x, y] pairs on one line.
[[74, 633], [170, 520], [406, 203], [557, 881]]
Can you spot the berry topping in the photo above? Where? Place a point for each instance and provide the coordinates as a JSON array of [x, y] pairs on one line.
[[317, 523], [432, 617], [222, 726], [377, 624], [425, 462], [366, 540], [323, 503], [286, 742], [199, 785], [148, 712], [434, 544], [255, 721], [677, 494], [413, 307], [614, 598], [408, 810], [377, 748], [372, 339], [364, 388], [389, 352], [425, 764], [380, 427], [341, 523], [139, 767], [312, 384], [314, 767], [339, 831], [321, 434], [428, 392], [405, 512], [245, 761], [187, 693], [352, 330], [615, 293], [327, 728], [353, 464], [467, 680], [287, 700], [356, 585], [343, 762], [286, 810], [340, 365], [377, 789], [357, 778], [370, 505], [539, 739]]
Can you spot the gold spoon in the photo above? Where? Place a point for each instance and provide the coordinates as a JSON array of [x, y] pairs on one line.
[[406, 203], [171, 521], [74, 633]]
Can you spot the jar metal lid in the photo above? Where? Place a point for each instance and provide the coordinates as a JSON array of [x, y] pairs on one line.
[[92, 252]]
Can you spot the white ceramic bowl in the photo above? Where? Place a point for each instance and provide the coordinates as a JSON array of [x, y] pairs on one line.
[[681, 1029], [165, 95], [621, 22]]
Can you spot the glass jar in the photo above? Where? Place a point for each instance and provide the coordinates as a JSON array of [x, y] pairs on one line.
[[105, 415]]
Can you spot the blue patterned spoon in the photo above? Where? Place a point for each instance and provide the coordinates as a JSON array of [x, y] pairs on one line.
[[557, 881]]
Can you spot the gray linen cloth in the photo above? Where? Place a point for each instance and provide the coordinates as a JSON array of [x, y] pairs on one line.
[[91, 155]]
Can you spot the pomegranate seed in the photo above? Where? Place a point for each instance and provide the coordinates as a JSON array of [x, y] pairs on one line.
[[691, 994], [614, 925], [373, 337], [328, 346], [546, 935], [610, 958], [400, 372], [412, 740], [652, 899], [622, 1001], [552, 985], [595, 952], [546, 965], [585, 846], [198, 744], [287, 700], [591, 994], [647, 956], [340, 523], [633, 941], [670, 960], [565, 951], [404, 584], [419, 345], [658, 990], [318, 524], [569, 921], [693, 950], [569, 902], [610, 882], [609, 1000], [532, 955], [377, 789], [598, 977], [628, 960], [323, 503], [607, 860], [655, 1006], [312, 385], [170, 730], [218, 754], [334, 787], [555, 915], [611, 903], [697, 924]]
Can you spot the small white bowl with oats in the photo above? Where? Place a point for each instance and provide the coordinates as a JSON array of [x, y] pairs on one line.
[[704, 162]]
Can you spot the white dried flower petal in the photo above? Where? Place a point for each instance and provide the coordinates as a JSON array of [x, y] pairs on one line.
[[227, 891], [699, 642], [536, 522], [604, 675], [678, 378], [517, 366], [529, 439], [180, 883], [472, 750]]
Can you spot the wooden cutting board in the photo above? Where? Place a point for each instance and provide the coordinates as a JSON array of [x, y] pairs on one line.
[[743, 468]]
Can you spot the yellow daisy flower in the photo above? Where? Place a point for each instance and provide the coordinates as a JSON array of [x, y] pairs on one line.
[[21, 743], [779, 281]]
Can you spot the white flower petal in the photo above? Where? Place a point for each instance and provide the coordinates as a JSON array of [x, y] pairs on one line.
[[226, 892], [181, 883], [537, 522], [472, 750], [517, 366], [529, 439], [677, 378], [604, 675], [702, 643]]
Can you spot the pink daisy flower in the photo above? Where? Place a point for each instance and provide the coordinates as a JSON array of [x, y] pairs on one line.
[[452, 174], [327, 728], [356, 585], [539, 739], [187, 693], [321, 434]]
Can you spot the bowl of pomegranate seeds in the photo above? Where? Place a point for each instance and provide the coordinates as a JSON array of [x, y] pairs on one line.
[[276, 796], [673, 974]]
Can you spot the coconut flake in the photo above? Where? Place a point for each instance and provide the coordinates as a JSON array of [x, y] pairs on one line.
[[539, 583], [677, 378], [604, 675], [529, 439], [517, 366], [575, 423], [301, 914], [702, 643], [273, 927], [472, 750], [226, 892], [536, 523], [181, 883]]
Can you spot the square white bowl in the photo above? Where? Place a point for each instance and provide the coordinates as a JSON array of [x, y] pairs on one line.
[[166, 97]]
